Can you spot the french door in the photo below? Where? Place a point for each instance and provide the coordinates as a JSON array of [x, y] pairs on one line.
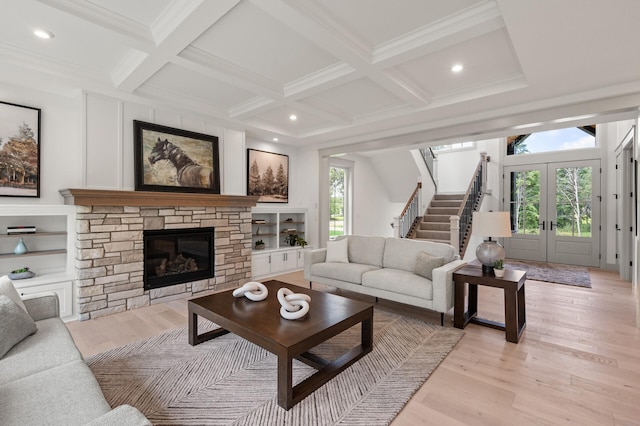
[[555, 212]]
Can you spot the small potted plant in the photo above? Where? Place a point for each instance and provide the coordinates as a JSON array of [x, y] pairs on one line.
[[498, 268], [259, 245], [292, 239], [301, 242]]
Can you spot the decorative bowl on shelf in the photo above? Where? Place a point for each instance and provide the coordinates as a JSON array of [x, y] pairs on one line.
[[21, 274]]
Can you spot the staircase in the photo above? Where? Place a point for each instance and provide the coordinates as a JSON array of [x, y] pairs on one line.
[[435, 224]]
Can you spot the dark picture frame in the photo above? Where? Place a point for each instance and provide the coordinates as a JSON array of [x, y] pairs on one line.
[[269, 167], [175, 160], [19, 150]]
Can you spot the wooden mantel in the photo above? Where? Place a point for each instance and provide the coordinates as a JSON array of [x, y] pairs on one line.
[[102, 197]]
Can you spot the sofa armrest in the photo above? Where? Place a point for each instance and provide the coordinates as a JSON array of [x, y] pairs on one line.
[[42, 305], [443, 286], [311, 257], [123, 415]]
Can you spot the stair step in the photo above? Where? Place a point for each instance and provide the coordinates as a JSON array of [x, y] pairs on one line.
[[436, 218], [442, 210], [446, 203], [435, 226], [436, 235], [449, 197]]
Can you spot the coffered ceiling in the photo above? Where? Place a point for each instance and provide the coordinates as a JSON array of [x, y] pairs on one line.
[[352, 71]]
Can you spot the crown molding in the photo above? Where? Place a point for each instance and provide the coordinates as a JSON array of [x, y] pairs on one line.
[[331, 76]]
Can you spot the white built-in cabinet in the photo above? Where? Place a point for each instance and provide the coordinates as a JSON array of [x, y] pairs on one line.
[[50, 251], [273, 227]]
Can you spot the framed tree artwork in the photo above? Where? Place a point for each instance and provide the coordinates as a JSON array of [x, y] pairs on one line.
[[19, 150], [174, 160], [268, 176]]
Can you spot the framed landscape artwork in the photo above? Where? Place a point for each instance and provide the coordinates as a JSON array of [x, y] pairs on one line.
[[168, 159], [268, 176], [19, 150]]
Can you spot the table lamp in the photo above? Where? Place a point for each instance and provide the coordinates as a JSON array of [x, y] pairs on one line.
[[491, 225]]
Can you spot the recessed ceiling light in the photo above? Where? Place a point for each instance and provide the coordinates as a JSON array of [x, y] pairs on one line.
[[457, 68], [293, 117], [43, 33], [275, 139]]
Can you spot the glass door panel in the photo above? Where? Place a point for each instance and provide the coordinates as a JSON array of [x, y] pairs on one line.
[[526, 186]]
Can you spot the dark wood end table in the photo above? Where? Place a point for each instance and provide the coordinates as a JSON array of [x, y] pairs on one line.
[[261, 324], [514, 299]]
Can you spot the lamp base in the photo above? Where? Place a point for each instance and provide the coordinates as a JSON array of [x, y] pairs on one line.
[[487, 253]]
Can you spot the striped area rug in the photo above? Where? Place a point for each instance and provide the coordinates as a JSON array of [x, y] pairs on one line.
[[229, 381]]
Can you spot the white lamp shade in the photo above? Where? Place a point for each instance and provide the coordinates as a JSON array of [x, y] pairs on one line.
[[491, 224]]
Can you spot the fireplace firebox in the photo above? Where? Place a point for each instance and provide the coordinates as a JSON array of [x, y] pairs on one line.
[[175, 256]]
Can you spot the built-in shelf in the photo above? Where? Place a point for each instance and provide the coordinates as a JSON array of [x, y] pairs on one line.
[[33, 253], [33, 234]]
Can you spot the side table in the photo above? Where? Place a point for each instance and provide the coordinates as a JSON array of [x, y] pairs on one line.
[[514, 299]]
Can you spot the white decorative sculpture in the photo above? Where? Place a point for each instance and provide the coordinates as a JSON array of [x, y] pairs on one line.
[[294, 305], [252, 290]]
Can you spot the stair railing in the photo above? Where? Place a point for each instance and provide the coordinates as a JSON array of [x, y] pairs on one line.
[[430, 158], [470, 203], [410, 214]]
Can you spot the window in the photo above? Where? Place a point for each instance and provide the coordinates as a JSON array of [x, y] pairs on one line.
[[454, 147], [340, 184], [337, 189], [552, 140]]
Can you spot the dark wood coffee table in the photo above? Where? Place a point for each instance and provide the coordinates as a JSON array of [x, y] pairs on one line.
[[261, 324]]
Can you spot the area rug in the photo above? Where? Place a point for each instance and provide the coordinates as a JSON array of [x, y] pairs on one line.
[[229, 381], [552, 272]]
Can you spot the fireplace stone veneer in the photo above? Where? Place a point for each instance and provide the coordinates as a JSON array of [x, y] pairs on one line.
[[110, 260]]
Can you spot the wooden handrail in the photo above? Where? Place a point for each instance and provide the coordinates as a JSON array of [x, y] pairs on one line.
[[414, 195]]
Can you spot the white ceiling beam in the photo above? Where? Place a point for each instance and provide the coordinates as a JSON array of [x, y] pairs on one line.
[[176, 29]]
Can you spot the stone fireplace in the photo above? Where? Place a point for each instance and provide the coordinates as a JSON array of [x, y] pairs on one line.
[[110, 228]]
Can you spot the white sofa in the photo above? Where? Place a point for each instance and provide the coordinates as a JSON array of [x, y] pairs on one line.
[[387, 268], [43, 378]]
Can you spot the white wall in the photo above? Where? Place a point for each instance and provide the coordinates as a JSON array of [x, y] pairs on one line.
[[372, 208], [59, 142], [109, 146]]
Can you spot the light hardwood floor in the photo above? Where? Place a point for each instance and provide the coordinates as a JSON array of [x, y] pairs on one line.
[[578, 361]]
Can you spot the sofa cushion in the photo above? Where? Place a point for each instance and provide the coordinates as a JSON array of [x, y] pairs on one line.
[[399, 281], [15, 324], [337, 251], [350, 272], [8, 289], [401, 253], [366, 250], [65, 395], [426, 263], [51, 346]]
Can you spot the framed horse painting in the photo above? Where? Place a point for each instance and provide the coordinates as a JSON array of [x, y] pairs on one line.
[[19, 150], [175, 160]]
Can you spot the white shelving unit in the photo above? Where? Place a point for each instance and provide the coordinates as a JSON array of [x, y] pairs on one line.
[[50, 250], [273, 227]]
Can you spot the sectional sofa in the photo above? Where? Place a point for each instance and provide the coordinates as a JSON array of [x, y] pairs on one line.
[[418, 273], [43, 378]]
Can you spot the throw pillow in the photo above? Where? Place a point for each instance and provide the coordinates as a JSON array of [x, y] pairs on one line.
[[337, 251], [15, 326], [426, 263], [7, 288]]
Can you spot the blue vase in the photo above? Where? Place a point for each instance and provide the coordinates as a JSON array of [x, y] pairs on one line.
[[20, 247]]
